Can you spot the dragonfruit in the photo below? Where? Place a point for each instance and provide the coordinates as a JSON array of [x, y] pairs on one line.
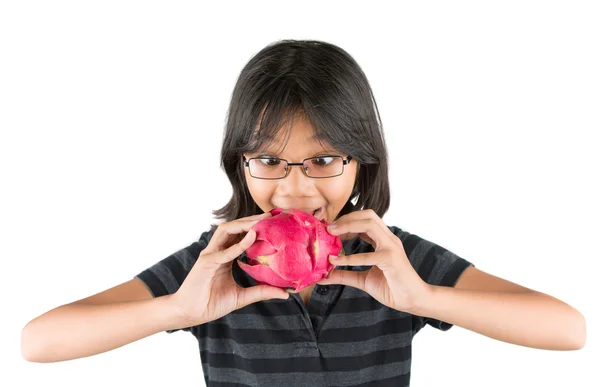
[[291, 250]]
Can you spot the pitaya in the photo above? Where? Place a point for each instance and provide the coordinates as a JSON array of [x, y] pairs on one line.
[[291, 250]]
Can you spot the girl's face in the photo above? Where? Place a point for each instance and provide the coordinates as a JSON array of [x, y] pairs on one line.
[[297, 190]]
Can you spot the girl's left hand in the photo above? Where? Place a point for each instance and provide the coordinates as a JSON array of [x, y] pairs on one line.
[[392, 280]]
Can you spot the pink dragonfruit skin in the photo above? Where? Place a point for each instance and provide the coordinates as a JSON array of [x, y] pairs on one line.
[[291, 250]]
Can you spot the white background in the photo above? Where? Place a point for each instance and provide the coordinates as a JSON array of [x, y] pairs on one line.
[[112, 114]]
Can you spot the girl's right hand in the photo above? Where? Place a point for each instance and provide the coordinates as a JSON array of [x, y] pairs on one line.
[[209, 290]]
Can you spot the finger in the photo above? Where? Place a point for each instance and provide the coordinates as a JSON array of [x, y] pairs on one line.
[[362, 259], [259, 293], [226, 232], [367, 229], [360, 214], [234, 251], [348, 236], [346, 277]]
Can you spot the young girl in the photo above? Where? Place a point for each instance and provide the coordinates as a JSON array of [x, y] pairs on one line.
[[306, 104]]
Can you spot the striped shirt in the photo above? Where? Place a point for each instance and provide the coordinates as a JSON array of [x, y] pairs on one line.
[[342, 337]]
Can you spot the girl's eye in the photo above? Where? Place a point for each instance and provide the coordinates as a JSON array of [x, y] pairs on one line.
[[322, 160], [270, 161]]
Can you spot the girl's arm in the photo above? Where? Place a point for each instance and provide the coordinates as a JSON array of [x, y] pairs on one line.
[[105, 321], [478, 301], [505, 311]]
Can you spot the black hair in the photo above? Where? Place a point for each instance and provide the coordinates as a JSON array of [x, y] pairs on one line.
[[323, 84]]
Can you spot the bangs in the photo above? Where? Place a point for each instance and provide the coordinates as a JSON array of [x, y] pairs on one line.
[[276, 120]]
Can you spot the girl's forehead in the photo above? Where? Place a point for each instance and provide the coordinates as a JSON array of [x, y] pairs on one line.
[[291, 135], [296, 135], [297, 146]]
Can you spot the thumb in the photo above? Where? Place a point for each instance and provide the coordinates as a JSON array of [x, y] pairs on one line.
[[257, 293], [355, 279]]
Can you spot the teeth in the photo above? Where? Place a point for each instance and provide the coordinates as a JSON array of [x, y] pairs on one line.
[[318, 213]]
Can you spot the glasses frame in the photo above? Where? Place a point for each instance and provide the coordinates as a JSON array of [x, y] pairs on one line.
[[345, 161]]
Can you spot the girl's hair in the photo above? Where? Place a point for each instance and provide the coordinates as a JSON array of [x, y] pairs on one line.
[[323, 84]]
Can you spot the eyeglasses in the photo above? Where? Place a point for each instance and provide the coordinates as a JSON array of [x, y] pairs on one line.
[[272, 168]]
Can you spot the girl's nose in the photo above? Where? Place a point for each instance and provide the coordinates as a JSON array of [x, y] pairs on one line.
[[296, 182]]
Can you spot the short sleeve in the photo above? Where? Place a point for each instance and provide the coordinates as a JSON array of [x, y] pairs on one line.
[[166, 276], [435, 265]]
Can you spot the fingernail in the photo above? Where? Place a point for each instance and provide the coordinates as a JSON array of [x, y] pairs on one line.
[[332, 225], [333, 256]]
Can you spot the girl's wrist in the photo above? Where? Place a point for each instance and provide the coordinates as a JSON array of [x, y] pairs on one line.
[[176, 316]]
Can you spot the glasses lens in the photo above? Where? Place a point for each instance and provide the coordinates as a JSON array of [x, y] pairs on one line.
[[324, 166], [267, 168]]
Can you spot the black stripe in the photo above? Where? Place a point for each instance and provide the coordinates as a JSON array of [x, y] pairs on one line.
[[176, 268], [396, 381], [454, 272], [428, 263], [418, 322], [439, 324], [224, 384], [271, 308], [410, 242], [153, 282], [349, 305], [401, 234], [240, 277], [214, 330], [353, 245], [363, 333], [196, 248], [290, 308], [219, 330], [306, 364], [316, 322]]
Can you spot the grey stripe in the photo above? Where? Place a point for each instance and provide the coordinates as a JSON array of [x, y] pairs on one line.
[[441, 267], [379, 343], [162, 270], [186, 259], [342, 320], [258, 351], [345, 378], [253, 321], [306, 349], [166, 277], [418, 253]]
